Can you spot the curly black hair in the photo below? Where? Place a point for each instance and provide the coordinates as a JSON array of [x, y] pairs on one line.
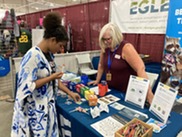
[[53, 27]]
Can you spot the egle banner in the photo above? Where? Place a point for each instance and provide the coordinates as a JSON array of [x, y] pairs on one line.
[[140, 16]]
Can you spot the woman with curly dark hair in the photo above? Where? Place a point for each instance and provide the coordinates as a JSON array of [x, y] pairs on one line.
[[34, 110]]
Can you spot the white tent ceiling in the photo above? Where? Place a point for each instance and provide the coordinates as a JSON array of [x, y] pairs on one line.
[[29, 6]]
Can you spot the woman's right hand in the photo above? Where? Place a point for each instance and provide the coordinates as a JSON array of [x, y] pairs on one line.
[[57, 75], [95, 82]]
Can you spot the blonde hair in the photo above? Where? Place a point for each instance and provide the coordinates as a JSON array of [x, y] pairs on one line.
[[117, 36]]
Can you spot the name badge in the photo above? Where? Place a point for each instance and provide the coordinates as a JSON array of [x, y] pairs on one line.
[[108, 76], [117, 56]]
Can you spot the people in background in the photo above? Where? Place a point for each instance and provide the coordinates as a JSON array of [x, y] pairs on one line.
[[1, 38], [34, 111], [25, 39], [118, 60], [38, 26], [7, 38]]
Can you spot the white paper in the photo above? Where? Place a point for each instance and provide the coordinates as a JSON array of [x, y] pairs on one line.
[[132, 113], [117, 106], [153, 78], [137, 90], [108, 99], [163, 101], [95, 112], [104, 107], [68, 76], [107, 127]]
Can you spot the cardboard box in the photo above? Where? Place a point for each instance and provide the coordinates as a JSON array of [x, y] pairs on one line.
[[147, 133], [92, 100], [87, 94]]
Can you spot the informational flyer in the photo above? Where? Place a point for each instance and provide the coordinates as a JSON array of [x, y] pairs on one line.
[[117, 106], [108, 99], [107, 127], [137, 90], [130, 114], [163, 101]]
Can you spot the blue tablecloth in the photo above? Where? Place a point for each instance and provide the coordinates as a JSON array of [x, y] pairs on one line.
[[77, 124]]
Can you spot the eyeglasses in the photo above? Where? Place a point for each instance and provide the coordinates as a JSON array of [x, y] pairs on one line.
[[106, 39]]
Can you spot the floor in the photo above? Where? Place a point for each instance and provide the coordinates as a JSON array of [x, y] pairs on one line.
[[6, 107], [6, 112]]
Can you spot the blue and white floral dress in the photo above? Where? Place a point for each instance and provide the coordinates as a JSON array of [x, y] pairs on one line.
[[34, 111]]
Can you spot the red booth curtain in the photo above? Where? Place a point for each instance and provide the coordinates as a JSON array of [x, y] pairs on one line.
[[86, 21], [150, 44]]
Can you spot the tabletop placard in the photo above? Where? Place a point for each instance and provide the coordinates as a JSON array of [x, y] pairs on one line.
[[137, 91], [163, 101]]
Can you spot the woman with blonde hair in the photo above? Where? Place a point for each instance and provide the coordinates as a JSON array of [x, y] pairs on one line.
[[118, 60]]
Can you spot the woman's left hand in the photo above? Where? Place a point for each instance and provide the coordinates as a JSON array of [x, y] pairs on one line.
[[150, 97], [75, 96]]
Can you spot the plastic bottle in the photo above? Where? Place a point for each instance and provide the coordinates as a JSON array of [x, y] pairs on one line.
[[63, 68]]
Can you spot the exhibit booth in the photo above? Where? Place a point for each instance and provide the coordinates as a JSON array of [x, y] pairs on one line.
[[105, 111]]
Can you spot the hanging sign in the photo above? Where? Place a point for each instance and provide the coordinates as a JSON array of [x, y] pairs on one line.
[[139, 16]]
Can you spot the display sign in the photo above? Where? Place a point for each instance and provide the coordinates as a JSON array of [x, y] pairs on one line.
[[174, 22], [4, 67], [37, 36], [171, 73], [139, 16], [137, 91], [163, 101]]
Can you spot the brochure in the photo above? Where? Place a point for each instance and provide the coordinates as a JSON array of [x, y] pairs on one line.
[[157, 125], [117, 106], [108, 99], [131, 113], [137, 91]]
